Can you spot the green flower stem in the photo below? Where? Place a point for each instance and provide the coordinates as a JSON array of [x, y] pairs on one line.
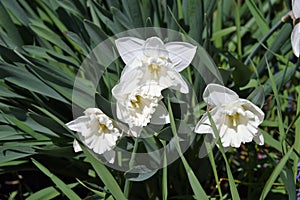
[[214, 168], [165, 175], [128, 184]]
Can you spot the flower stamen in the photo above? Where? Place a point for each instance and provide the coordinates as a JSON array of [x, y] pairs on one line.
[[234, 118], [154, 68], [102, 127], [136, 102]]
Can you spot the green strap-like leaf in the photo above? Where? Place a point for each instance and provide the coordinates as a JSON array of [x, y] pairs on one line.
[[275, 173], [196, 186], [105, 175], [59, 183]]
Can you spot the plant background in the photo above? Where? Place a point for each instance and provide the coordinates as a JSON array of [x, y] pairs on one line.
[[42, 45]]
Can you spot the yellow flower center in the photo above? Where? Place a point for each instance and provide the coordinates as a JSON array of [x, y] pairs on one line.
[[234, 118], [102, 127], [154, 68], [136, 103]]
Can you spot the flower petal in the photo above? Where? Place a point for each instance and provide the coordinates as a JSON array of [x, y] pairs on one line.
[[258, 113], [204, 125], [129, 48], [161, 115], [217, 95], [225, 135], [129, 82], [90, 111], [173, 80], [78, 123], [76, 146], [122, 113], [154, 47], [235, 138], [296, 8], [181, 54], [259, 139], [295, 39], [244, 133]]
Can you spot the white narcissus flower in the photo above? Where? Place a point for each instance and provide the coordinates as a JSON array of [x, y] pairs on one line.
[[295, 37], [236, 119], [154, 61], [98, 132], [137, 107], [151, 66]]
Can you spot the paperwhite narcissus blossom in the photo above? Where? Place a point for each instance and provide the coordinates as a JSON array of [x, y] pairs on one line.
[[236, 119], [154, 61], [97, 132], [151, 66], [136, 107], [295, 37]]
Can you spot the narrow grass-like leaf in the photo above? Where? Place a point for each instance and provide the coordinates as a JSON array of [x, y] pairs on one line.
[[7, 23], [10, 153], [101, 194], [233, 189], [51, 36], [196, 186], [193, 12], [59, 183], [13, 163], [41, 52], [22, 78], [218, 26], [26, 128], [222, 33], [271, 141], [275, 174], [17, 10], [287, 175], [134, 10], [96, 34], [47, 193], [297, 134], [238, 28], [282, 37], [214, 167], [13, 195], [105, 175], [258, 16], [279, 113], [280, 78]]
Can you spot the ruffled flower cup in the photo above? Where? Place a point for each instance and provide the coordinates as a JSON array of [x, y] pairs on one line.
[[98, 132], [236, 119]]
